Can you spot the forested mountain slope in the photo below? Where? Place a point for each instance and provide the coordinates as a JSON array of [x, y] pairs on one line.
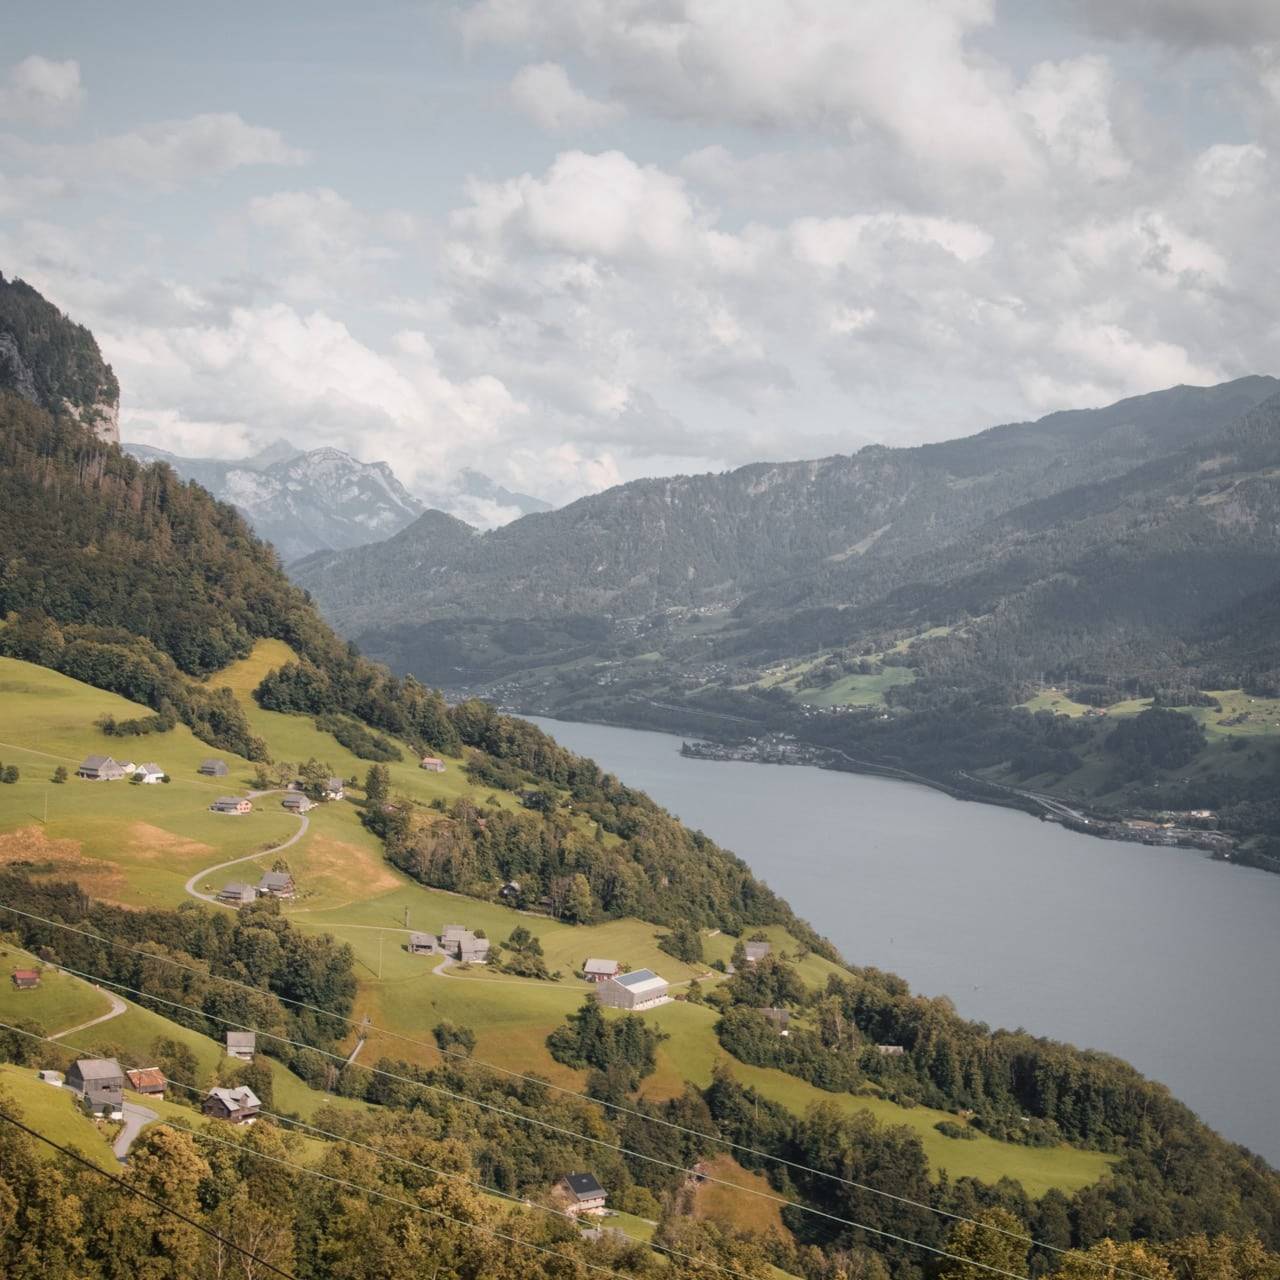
[[698, 541]]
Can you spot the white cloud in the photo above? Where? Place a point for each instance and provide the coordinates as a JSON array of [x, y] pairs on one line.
[[543, 91], [1068, 101], [42, 92], [1185, 23], [161, 155]]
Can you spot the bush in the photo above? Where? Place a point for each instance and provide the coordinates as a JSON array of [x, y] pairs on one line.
[[949, 1129]]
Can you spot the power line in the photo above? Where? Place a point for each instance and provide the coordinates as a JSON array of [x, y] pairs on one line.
[[546, 1084], [291, 1123], [159, 1204], [571, 1133]]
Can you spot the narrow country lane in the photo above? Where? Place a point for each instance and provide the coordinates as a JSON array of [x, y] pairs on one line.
[[303, 823]]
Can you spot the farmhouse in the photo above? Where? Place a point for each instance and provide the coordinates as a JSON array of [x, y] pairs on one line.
[[755, 951], [581, 1193], [149, 772], [239, 1105], [296, 802], [432, 764], [25, 979], [333, 789], [100, 769], [147, 1080], [423, 944], [100, 1084], [276, 884], [213, 768], [241, 1044], [237, 894], [595, 970], [463, 945], [231, 804], [642, 989]]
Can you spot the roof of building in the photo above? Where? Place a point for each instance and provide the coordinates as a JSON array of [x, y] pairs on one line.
[[232, 802], [98, 1069], [335, 784], [595, 965], [275, 880], [237, 889], [26, 973], [756, 950], [584, 1185], [640, 980], [241, 1039], [454, 931], [96, 762], [241, 1098], [422, 939], [150, 767], [147, 1078], [432, 760]]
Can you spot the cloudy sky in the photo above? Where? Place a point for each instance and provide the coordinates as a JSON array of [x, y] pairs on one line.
[[571, 242]]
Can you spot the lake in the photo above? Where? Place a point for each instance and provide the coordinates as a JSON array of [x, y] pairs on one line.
[[1158, 955]]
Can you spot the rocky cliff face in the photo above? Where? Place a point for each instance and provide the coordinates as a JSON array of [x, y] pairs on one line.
[[51, 361]]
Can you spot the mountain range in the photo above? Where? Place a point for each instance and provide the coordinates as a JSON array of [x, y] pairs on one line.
[[324, 499]]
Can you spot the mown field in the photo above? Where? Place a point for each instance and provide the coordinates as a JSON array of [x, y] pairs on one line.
[[138, 845]]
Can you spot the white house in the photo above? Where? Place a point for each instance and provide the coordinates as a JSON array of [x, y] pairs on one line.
[[642, 989], [149, 772]]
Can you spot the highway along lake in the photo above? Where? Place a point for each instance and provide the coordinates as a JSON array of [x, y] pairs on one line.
[[1158, 955]]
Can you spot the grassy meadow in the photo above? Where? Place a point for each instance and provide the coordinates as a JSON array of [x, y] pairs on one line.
[[138, 844]]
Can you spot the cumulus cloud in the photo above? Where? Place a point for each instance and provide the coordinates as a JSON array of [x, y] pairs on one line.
[[40, 91], [544, 92]]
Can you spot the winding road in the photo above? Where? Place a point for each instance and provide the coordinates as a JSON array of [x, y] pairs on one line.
[[303, 823], [118, 1007], [136, 1118]]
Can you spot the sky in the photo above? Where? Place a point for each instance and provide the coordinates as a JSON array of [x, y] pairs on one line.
[[573, 242]]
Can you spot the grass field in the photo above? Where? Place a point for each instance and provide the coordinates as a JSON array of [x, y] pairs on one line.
[[54, 1112], [731, 1209], [59, 1002], [138, 845], [858, 691]]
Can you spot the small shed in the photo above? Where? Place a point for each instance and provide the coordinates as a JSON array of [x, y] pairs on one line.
[[25, 979], [276, 884], [213, 768], [754, 951], [149, 772], [432, 764], [581, 1193], [241, 1044], [147, 1080], [238, 1106], [597, 970], [231, 804], [296, 802], [46, 1076]]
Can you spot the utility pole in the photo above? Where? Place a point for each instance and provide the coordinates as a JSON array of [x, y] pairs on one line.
[[406, 917], [380, 937], [46, 806]]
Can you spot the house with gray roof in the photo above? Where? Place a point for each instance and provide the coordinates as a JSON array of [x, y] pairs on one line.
[[276, 884], [232, 804], [238, 1106], [237, 894], [100, 1084], [595, 969], [213, 768], [463, 945], [150, 772], [581, 1193], [642, 989], [423, 944], [100, 769]]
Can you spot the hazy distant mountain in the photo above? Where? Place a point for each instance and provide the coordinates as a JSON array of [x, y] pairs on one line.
[[302, 502]]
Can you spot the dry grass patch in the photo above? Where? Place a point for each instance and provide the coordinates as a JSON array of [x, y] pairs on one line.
[[62, 859], [361, 870], [727, 1208], [147, 843]]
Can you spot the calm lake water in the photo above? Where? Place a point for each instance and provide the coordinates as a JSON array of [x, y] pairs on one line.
[[1158, 955]]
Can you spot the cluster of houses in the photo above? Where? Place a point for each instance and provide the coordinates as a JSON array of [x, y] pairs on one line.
[[98, 768], [274, 884], [99, 1084], [455, 940]]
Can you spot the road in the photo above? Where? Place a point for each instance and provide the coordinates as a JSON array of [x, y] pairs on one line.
[[118, 1007], [135, 1118], [303, 823]]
